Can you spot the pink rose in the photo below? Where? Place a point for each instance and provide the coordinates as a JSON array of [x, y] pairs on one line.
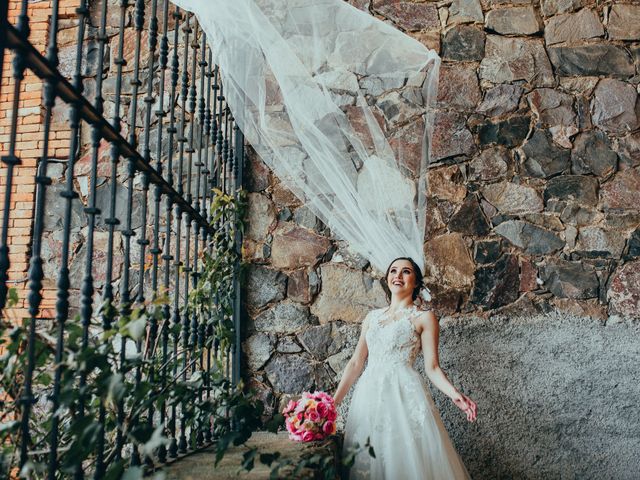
[[292, 425], [307, 436], [332, 415], [314, 416], [327, 398], [291, 406], [318, 436], [329, 428], [322, 409], [296, 437]]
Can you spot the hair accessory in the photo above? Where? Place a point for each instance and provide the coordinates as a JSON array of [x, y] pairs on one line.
[[425, 294]]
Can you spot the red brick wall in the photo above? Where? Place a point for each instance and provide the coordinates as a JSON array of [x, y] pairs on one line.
[[29, 143]]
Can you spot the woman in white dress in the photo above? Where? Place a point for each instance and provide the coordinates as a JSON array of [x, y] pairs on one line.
[[391, 404]]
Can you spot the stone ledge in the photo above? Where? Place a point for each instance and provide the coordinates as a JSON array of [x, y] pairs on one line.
[[200, 465]]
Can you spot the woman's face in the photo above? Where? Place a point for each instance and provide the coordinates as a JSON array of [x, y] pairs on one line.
[[402, 278]]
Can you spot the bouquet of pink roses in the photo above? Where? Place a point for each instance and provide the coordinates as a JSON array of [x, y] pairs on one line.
[[312, 417]]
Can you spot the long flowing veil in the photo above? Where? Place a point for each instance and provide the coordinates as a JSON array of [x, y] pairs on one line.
[[314, 85]]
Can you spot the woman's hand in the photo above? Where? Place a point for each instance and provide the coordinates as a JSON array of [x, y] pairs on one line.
[[467, 405]]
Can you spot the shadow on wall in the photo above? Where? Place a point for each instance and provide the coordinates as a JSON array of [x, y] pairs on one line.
[[556, 396]]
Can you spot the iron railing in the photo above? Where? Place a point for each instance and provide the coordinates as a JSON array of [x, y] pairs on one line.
[[159, 146]]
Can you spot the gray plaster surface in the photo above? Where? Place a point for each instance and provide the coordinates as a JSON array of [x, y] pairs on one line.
[[558, 397]]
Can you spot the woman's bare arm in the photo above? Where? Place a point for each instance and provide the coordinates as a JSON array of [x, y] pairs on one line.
[[429, 330], [354, 367]]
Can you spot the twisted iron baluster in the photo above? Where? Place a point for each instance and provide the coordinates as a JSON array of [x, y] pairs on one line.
[[237, 154], [191, 266], [63, 284], [226, 157], [213, 165], [110, 311], [218, 183], [166, 256], [205, 329], [196, 202], [220, 166], [175, 313], [111, 221], [36, 273], [184, 327], [127, 233], [219, 146], [173, 448], [155, 249], [206, 163], [87, 289], [143, 241], [226, 161], [197, 329], [11, 160], [231, 159]]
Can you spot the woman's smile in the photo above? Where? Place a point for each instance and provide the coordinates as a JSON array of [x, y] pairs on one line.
[[400, 275]]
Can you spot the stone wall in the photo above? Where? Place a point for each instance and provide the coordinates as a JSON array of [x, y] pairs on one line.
[[534, 210]]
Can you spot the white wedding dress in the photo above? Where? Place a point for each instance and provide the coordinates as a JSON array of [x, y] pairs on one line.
[[392, 405]]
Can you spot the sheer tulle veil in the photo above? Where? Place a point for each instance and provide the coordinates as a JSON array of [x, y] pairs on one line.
[[306, 81]]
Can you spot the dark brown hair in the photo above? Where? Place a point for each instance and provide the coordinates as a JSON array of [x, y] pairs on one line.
[[419, 278]]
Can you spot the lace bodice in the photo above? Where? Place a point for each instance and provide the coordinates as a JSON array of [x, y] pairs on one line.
[[392, 341]]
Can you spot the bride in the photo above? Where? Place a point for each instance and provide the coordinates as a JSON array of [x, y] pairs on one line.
[[306, 82], [391, 404]]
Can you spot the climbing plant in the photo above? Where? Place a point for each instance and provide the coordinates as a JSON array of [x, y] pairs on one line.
[[214, 294], [120, 386]]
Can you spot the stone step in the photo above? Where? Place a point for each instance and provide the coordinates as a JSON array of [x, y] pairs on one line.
[[200, 465]]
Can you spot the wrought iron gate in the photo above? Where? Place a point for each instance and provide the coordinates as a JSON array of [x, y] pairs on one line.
[[151, 149]]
